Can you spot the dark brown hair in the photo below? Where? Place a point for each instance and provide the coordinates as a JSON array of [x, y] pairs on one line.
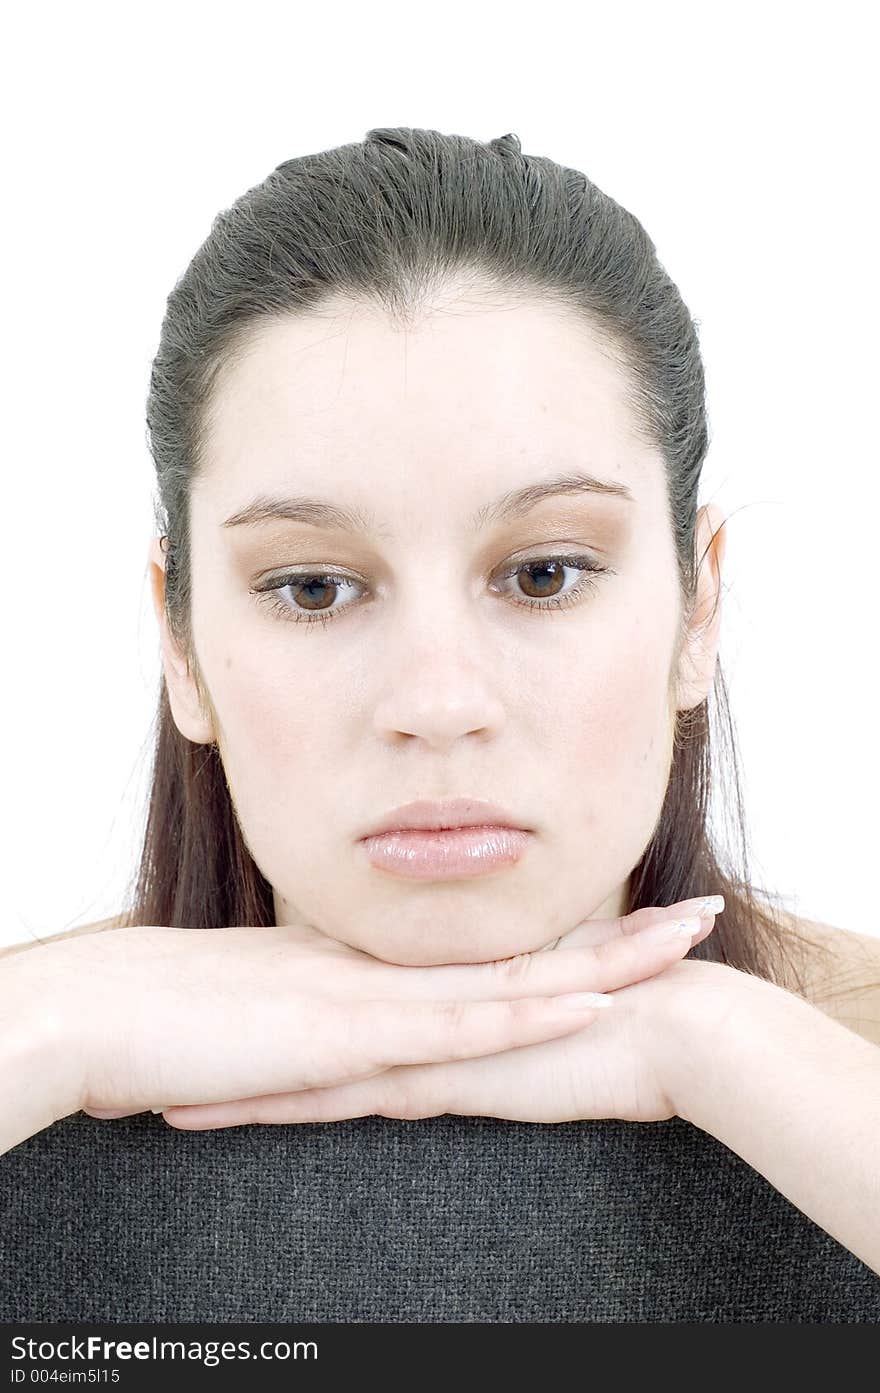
[[383, 223]]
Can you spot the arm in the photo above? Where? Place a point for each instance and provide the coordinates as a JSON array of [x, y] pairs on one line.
[[13, 950], [795, 1094], [34, 1088]]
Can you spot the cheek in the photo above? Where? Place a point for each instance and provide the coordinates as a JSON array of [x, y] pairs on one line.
[[285, 750], [276, 735], [618, 740]]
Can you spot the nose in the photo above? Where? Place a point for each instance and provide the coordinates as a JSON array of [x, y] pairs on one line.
[[438, 680]]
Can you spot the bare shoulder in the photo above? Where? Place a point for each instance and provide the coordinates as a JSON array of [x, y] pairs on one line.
[[116, 921], [841, 973]]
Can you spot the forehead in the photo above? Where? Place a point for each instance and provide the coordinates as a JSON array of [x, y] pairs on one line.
[[471, 398]]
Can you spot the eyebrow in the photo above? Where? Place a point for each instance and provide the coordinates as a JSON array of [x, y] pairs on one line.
[[507, 508]]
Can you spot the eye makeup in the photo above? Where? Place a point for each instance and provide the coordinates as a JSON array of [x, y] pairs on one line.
[[300, 582]]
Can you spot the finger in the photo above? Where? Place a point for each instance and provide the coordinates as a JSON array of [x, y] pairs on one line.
[[476, 981], [596, 931], [386, 1034], [382, 1035], [620, 962], [359, 1099], [614, 961], [412, 1090], [467, 1088]]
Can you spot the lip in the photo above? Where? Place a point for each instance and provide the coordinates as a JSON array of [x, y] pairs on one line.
[[444, 814], [457, 853]]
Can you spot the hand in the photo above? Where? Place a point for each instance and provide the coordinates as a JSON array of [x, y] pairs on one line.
[[519, 1077], [162, 1016], [629, 1064]]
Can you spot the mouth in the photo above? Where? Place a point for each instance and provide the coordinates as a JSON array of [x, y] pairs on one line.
[[446, 853]]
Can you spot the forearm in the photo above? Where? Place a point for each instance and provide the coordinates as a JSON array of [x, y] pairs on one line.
[[797, 1096], [35, 1089]]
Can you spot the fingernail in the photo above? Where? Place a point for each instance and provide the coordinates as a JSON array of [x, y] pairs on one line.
[[712, 904], [583, 1001], [702, 906], [675, 928]]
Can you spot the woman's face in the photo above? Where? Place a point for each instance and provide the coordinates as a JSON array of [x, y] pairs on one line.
[[433, 677]]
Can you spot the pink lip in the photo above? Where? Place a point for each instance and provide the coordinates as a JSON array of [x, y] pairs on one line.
[[424, 815], [454, 854]]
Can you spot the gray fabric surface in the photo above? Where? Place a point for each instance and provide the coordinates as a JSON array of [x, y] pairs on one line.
[[379, 1219]]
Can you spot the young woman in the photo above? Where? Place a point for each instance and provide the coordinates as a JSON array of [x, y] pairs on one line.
[[428, 422]]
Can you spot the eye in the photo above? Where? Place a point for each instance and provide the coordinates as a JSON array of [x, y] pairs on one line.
[[545, 579], [315, 591], [311, 589]]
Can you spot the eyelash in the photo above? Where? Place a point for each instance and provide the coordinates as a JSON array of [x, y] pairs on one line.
[[585, 564]]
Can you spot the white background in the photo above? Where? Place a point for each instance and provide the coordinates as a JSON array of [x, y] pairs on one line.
[[744, 140]]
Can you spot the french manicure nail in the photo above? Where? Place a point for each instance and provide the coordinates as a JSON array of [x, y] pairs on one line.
[[712, 904], [675, 928], [583, 1001]]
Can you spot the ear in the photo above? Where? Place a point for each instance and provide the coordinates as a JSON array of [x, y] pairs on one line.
[[183, 695], [697, 662]]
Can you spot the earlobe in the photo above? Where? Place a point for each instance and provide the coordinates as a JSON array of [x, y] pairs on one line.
[[183, 695]]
